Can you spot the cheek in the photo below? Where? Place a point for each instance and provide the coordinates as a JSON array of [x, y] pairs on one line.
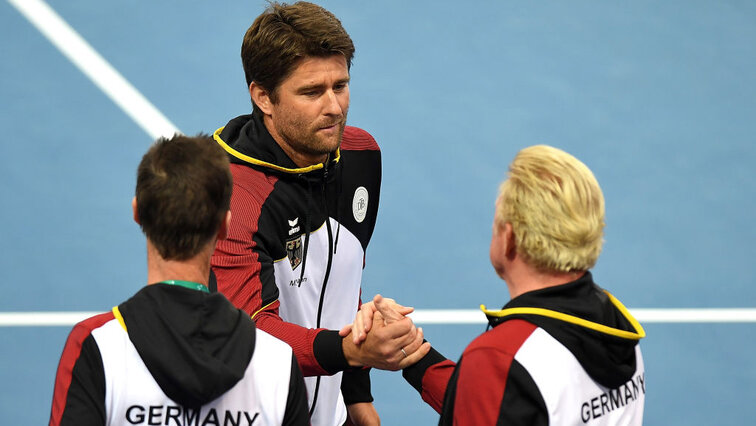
[[289, 116], [492, 252], [344, 101]]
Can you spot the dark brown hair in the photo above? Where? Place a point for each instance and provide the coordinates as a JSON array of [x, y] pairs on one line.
[[183, 192], [286, 33]]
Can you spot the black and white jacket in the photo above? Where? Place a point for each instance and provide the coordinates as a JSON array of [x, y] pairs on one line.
[[562, 355], [176, 356], [295, 251]]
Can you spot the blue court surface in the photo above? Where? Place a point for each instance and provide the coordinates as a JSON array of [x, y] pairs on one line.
[[657, 98]]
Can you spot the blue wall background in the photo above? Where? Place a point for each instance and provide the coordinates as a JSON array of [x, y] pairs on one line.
[[658, 99]]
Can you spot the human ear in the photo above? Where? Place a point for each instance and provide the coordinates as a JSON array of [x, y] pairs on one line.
[[225, 224], [134, 210], [260, 97], [510, 244]]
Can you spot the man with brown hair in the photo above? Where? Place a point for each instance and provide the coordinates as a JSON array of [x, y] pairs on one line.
[[174, 352], [305, 200]]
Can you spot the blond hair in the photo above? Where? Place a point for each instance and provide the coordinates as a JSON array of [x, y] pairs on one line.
[[555, 207]]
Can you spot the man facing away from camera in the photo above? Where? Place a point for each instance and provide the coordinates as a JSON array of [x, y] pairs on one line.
[[563, 351], [175, 353], [305, 201]]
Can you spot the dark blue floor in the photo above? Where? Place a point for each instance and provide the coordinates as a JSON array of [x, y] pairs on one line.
[[658, 99]]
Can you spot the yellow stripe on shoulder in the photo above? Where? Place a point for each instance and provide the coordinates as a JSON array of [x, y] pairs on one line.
[[117, 314]]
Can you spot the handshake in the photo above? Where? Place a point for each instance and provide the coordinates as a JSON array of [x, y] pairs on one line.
[[383, 337]]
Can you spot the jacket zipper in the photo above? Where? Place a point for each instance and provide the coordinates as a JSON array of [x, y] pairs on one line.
[[327, 273]]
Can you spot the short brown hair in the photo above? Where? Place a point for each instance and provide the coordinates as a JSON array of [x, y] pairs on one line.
[[285, 34], [183, 192]]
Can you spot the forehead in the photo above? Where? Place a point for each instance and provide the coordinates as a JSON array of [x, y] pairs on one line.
[[318, 70]]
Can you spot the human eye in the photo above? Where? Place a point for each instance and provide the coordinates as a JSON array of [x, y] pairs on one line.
[[311, 91]]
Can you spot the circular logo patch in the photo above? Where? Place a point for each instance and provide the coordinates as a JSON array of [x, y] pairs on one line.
[[360, 204]]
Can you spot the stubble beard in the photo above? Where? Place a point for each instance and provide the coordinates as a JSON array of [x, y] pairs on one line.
[[311, 142]]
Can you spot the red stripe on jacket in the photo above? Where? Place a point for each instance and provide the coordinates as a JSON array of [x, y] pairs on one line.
[[482, 375], [356, 139], [71, 353], [237, 267], [484, 372]]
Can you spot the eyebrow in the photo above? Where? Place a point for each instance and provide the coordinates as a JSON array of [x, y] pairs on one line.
[[320, 86]]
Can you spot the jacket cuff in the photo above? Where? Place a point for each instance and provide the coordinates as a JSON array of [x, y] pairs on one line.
[[415, 372], [328, 351], [355, 386]]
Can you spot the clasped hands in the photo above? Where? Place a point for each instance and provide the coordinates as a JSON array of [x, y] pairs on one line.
[[382, 336]]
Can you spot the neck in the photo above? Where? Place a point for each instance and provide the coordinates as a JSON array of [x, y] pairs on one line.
[[301, 159], [195, 269], [522, 278]]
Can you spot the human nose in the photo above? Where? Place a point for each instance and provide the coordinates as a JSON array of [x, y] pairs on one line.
[[332, 105]]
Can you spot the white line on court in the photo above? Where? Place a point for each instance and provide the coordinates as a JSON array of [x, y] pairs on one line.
[[94, 66], [644, 315], [431, 316]]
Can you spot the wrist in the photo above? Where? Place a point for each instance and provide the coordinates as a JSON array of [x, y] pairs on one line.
[[351, 351], [328, 351]]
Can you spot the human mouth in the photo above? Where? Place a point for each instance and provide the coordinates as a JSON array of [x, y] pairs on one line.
[[329, 127]]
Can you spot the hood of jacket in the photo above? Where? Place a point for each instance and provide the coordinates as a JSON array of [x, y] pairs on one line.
[[590, 322], [195, 344], [247, 141]]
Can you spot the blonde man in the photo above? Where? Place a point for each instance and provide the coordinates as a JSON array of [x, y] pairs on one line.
[[563, 351]]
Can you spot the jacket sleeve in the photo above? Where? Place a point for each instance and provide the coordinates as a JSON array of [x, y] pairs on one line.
[[430, 377], [297, 412], [355, 386], [244, 272], [79, 394]]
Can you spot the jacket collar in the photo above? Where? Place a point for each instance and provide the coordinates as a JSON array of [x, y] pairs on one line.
[[569, 303], [247, 141]]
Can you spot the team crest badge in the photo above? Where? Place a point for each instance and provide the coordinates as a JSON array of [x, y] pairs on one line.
[[294, 251], [360, 204]]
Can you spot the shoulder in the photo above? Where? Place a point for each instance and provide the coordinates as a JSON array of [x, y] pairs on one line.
[[356, 139], [249, 176], [81, 333], [251, 183], [84, 328], [507, 337]]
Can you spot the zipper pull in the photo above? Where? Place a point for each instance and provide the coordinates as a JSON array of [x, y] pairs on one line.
[[325, 167]]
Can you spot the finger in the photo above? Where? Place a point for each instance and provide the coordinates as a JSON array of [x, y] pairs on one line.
[[397, 357], [415, 356], [366, 313], [358, 329], [415, 344], [405, 310], [391, 303], [388, 311], [345, 330], [403, 330], [363, 322]]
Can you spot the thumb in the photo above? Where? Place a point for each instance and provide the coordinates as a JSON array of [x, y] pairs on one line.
[[388, 310]]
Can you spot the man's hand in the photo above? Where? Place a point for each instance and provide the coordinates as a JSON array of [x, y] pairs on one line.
[[364, 319], [387, 346], [362, 414]]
